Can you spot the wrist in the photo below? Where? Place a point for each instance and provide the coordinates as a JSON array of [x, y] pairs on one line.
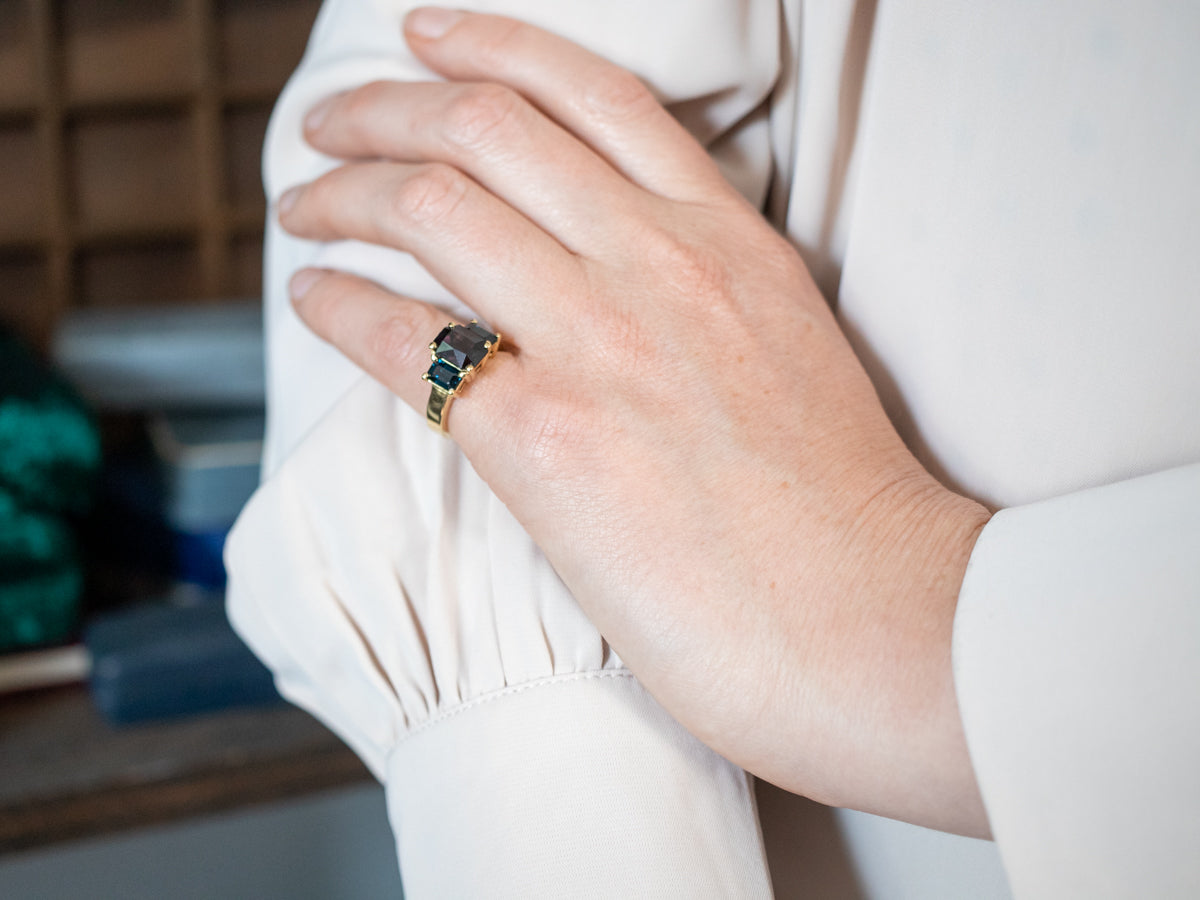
[[912, 734]]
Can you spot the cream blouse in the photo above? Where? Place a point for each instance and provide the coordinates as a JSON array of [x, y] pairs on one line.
[[1001, 202]]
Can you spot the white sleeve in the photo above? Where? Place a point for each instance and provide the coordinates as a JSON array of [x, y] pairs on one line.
[[398, 600], [1077, 665], [409, 611]]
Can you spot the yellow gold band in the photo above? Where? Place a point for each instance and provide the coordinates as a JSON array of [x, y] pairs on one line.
[[435, 410], [456, 354]]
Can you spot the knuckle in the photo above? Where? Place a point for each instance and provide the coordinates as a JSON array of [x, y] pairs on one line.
[[361, 106], [320, 195], [430, 194], [480, 114], [695, 274], [317, 212], [617, 333], [367, 97], [619, 94], [391, 342]]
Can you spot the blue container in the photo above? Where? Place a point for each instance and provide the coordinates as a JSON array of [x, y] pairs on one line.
[[209, 464], [162, 660]]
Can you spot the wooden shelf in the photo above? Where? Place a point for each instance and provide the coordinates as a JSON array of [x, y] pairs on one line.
[[18, 241], [17, 110], [18, 68], [69, 775], [24, 170], [130, 49], [130, 140], [151, 231], [258, 44], [249, 219], [249, 93]]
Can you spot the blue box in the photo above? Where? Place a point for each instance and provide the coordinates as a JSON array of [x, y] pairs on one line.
[[164, 660]]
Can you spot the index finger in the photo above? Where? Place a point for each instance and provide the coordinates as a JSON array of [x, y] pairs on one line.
[[604, 105]]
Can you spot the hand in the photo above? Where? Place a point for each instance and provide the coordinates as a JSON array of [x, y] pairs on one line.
[[676, 417]]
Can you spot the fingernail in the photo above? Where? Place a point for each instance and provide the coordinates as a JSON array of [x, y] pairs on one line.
[[303, 281], [317, 115], [288, 200], [431, 22]]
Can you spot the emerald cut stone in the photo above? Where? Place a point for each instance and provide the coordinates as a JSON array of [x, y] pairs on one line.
[[483, 332], [462, 346], [445, 376]]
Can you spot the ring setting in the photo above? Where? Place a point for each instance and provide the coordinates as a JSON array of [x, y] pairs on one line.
[[456, 354]]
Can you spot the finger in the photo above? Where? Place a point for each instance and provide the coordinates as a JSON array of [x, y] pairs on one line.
[[605, 105], [491, 133], [478, 247], [388, 337]]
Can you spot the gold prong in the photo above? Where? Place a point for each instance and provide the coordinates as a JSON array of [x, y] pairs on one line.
[[469, 369], [424, 376]]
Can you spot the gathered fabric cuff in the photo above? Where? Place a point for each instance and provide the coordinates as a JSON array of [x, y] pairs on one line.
[[577, 786]]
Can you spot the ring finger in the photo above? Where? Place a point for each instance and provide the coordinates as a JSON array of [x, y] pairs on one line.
[[388, 337]]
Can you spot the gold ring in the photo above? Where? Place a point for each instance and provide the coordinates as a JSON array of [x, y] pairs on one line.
[[457, 352]]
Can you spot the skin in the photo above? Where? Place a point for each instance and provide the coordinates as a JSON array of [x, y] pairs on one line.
[[676, 419]]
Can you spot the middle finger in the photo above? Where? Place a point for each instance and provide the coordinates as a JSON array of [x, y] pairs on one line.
[[496, 136], [480, 248]]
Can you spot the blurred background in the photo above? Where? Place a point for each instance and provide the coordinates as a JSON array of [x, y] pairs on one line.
[[143, 750]]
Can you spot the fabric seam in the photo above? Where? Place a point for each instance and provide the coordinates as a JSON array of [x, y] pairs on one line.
[[483, 699]]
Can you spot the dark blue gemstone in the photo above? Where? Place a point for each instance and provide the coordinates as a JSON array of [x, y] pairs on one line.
[[460, 346], [445, 376], [483, 332]]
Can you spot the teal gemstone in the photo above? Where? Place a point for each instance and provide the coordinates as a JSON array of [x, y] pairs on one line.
[[444, 375]]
